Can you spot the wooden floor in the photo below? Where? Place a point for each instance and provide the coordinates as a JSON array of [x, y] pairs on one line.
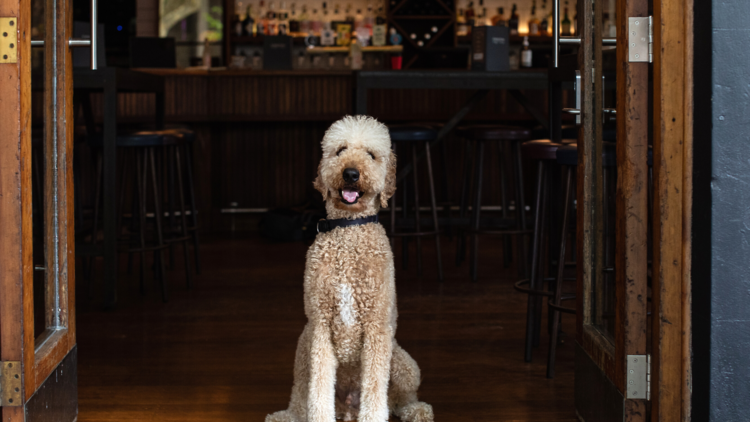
[[224, 351]]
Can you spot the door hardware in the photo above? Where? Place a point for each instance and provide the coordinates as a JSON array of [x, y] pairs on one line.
[[77, 42], [8, 40], [641, 40], [10, 383], [638, 377]]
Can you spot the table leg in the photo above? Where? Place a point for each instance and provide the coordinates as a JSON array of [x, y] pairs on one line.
[[109, 151], [360, 97], [525, 103]]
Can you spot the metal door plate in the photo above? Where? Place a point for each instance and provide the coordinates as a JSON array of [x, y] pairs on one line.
[[638, 377], [10, 383], [8, 40], [640, 37]]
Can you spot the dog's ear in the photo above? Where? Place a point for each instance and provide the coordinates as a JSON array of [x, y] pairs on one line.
[[319, 185], [390, 182]]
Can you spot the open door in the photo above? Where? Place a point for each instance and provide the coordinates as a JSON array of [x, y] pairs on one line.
[[633, 344], [37, 256]]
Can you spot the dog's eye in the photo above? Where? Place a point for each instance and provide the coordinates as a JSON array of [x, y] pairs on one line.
[[342, 149], [370, 154]]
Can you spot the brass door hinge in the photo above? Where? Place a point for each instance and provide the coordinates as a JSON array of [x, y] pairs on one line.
[[8, 40], [10, 383]]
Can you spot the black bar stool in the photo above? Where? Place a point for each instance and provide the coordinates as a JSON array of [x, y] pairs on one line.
[[184, 170], [478, 136], [140, 152], [405, 136], [544, 152]]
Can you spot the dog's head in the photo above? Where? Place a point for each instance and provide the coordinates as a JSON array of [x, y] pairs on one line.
[[358, 169]]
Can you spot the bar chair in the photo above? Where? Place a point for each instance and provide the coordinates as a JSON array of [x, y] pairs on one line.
[[413, 136], [478, 136]]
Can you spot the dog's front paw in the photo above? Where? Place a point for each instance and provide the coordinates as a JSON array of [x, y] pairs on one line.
[[416, 412], [282, 416]]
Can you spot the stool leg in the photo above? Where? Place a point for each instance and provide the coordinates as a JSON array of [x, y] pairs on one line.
[[95, 224], [415, 175], [434, 212], [446, 184], [535, 249], [158, 254], [461, 244], [181, 196], [193, 207], [141, 182], [404, 215], [393, 214], [507, 241], [521, 239], [543, 237], [169, 165], [475, 212], [559, 279]]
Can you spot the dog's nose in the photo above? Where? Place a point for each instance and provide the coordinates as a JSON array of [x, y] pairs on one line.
[[351, 175]]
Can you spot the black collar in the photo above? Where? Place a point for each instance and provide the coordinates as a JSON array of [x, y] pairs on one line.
[[324, 226]]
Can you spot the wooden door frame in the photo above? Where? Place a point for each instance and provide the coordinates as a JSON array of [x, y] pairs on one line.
[[671, 208], [671, 352], [17, 340]]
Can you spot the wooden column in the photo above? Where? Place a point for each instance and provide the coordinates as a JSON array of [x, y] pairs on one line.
[[672, 167]]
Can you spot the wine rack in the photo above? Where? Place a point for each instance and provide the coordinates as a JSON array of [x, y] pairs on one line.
[[427, 27]]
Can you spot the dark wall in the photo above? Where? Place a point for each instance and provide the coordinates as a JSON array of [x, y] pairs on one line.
[[721, 254]]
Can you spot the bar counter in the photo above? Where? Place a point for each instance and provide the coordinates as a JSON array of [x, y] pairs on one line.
[[258, 132]]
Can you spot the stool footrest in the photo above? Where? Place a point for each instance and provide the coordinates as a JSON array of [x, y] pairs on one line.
[[497, 232], [529, 291], [563, 309]]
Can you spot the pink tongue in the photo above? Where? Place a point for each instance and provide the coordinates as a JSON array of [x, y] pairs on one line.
[[350, 195]]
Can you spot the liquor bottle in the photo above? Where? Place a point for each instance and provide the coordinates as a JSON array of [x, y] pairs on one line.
[[349, 17], [261, 21], [304, 20], [499, 19], [533, 21], [206, 53], [283, 20], [369, 21], [355, 54], [359, 21], [566, 23], [526, 54], [513, 22], [379, 30], [273, 21], [470, 15], [544, 25], [248, 25], [461, 26], [315, 23], [294, 20], [237, 25]]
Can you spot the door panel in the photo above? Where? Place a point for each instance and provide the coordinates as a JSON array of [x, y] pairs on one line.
[[37, 306]]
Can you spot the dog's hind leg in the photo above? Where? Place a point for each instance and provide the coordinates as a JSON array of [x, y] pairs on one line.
[[297, 411], [402, 394]]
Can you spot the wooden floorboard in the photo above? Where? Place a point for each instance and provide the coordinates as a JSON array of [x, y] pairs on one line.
[[225, 350]]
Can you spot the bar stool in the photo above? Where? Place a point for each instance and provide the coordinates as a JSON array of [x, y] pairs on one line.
[[544, 152], [140, 150], [478, 136], [403, 137], [184, 170]]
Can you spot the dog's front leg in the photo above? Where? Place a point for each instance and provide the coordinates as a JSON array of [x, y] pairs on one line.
[[376, 367], [321, 404]]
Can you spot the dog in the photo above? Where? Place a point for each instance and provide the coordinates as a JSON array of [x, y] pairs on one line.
[[348, 365]]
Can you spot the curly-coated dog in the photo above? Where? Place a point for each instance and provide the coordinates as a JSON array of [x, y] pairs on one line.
[[348, 365]]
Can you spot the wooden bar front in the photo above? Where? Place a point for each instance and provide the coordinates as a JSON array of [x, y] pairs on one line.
[[258, 132]]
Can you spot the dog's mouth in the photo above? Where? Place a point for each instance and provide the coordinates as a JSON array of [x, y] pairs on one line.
[[350, 196]]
